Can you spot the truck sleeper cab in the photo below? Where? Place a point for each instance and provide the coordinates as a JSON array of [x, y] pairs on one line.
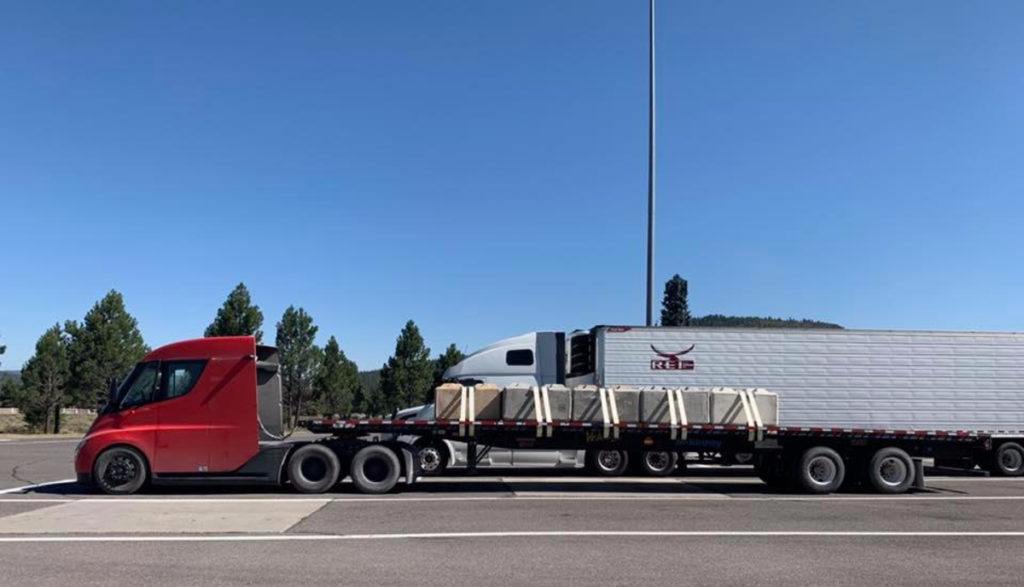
[[203, 411]]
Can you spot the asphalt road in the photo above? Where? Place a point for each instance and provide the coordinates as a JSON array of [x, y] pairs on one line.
[[711, 526]]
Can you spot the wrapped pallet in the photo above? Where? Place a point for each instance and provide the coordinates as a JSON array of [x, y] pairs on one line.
[[517, 403], [486, 402], [447, 401], [727, 407], [586, 403], [559, 402], [627, 402], [654, 405]]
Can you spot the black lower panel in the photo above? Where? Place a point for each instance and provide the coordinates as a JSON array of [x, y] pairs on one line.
[[262, 469]]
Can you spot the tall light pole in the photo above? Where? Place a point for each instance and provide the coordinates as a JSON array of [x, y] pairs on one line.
[[650, 166]]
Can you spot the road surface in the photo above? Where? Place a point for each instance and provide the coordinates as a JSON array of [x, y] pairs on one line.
[[711, 526]]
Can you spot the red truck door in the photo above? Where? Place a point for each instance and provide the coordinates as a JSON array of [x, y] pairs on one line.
[[182, 436]]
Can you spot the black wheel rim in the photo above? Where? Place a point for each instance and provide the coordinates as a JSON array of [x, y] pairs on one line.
[[121, 470], [376, 469], [313, 469]]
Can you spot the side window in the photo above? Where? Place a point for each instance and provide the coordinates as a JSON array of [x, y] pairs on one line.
[[179, 377], [139, 389], [521, 357]]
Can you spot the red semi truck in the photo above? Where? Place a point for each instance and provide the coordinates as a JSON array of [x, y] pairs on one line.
[[208, 411]]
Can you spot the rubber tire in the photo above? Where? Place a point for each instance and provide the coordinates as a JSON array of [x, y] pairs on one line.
[[332, 468], [646, 469], [802, 476], [103, 461], [769, 469], [595, 466], [997, 467], [875, 478], [442, 452], [387, 457]]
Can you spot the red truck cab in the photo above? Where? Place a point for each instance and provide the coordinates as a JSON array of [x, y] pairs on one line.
[[192, 409]]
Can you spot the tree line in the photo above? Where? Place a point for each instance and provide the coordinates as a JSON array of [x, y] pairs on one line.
[[75, 363]]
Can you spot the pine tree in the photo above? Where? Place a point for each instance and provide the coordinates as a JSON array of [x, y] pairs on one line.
[[3, 349], [300, 358], [102, 349], [449, 358], [238, 316], [45, 378], [674, 308], [405, 380], [337, 381]]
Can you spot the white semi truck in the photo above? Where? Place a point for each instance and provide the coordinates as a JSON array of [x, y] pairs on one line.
[[919, 383]]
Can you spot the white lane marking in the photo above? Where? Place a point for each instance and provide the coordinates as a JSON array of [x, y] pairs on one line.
[[26, 488], [518, 534], [54, 441], [560, 497]]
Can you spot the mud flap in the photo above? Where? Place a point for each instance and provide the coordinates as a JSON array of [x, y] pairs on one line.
[[410, 463]]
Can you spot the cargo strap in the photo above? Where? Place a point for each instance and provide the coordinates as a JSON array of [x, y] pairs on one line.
[[754, 426], [546, 401], [758, 423], [609, 412], [677, 425], [538, 409], [467, 420]]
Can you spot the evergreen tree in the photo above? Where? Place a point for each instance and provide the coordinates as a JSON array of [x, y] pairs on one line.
[[12, 394], [3, 349], [102, 349], [299, 358], [449, 358], [45, 378], [405, 380], [238, 316], [337, 381], [674, 308]]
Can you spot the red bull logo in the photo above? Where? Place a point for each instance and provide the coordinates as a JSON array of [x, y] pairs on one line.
[[671, 361]]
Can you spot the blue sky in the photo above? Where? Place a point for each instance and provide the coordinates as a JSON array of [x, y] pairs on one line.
[[479, 166]]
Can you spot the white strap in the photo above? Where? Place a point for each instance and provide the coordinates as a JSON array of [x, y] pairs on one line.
[[746, 412], [462, 410], [615, 412], [602, 395], [546, 399], [472, 410], [673, 431], [538, 411], [683, 421], [758, 423]]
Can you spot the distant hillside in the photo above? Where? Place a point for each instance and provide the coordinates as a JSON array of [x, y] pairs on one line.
[[719, 320]]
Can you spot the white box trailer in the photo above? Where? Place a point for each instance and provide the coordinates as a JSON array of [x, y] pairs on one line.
[[886, 379], [850, 382]]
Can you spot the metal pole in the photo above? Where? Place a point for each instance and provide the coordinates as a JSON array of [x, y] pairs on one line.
[[650, 167]]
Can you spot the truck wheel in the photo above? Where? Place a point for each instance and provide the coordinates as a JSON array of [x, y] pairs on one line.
[[432, 459], [820, 470], [375, 469], [891, 470], [120, 471], [313, 468], [608, 463], [658, 463], [1009, 460]]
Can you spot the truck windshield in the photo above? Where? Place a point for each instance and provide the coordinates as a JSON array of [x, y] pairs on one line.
[[138, 388]]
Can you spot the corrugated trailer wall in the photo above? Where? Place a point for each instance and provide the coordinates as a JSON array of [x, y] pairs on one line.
[[836, 378]]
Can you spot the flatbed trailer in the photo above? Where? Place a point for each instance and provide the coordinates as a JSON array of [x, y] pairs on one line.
[[776, 450], [209, 411]]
